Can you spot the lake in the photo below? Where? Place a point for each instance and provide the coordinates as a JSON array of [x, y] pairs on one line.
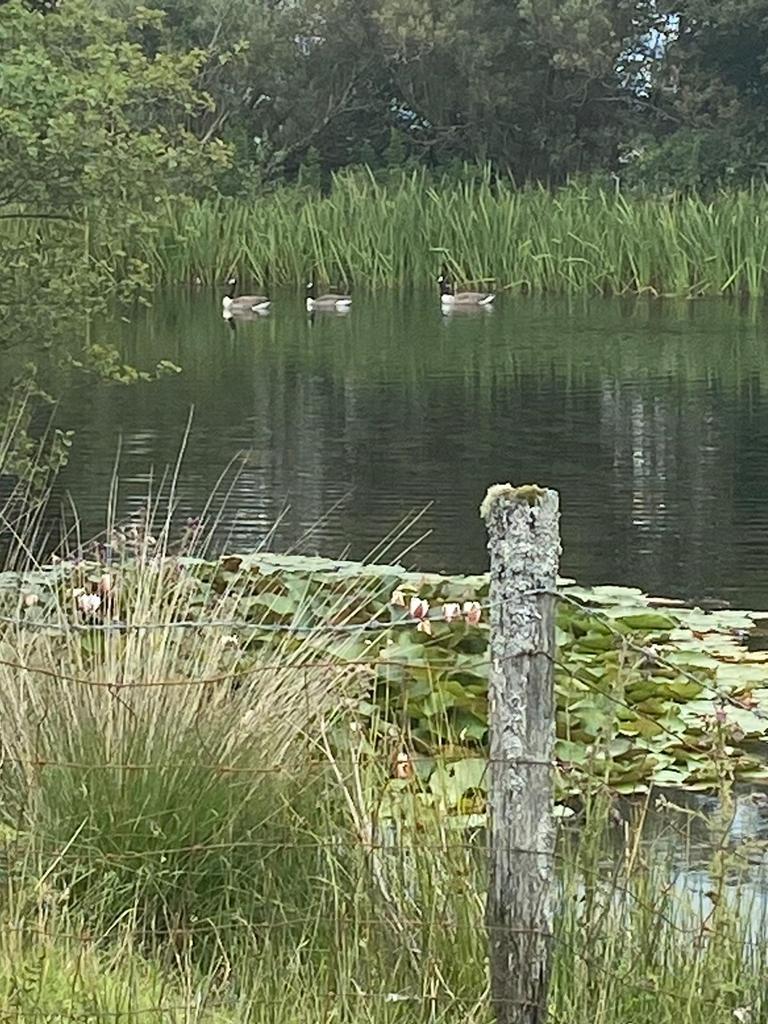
[[649, 417]]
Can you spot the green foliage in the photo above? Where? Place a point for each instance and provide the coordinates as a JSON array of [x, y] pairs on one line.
[[398, 231], [201, 823], [533, 90], [708, 98], [644, 695], [543, 91], [95, 137]]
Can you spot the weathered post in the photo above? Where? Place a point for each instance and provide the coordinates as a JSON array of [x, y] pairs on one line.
[[524, 548]]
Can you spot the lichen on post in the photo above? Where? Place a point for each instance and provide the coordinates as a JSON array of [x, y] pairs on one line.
[[524, 549]]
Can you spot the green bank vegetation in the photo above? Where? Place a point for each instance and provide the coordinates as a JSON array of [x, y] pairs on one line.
[[247, 823], [574, 241], [251, 822]]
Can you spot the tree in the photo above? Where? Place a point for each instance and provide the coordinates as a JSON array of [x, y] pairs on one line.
[[710, 96], [93, 138], [534, 87]]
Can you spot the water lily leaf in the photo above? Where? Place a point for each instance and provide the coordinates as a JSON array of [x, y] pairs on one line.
[[691, 659], [606, 595], [749, 722], [721, 620], [452, 781], [436, 704], [597, 641], [279, 604], [570, 752], [670, 777], [470, 726], [645, 727], [638, 618], [683, 689]]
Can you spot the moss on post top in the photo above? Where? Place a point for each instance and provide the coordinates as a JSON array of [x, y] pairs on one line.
[[527, 494]]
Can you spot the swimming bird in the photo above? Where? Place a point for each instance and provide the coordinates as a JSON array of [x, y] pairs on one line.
[[449, 297], [244, 303], [328, 301]]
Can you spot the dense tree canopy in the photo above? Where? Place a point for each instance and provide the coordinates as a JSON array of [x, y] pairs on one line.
[[543, 89], [711, 97], [532, 87], [667, 94]]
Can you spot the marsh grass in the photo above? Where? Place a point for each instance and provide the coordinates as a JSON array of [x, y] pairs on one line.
[[572, 241], [397, 232], [575, 240]]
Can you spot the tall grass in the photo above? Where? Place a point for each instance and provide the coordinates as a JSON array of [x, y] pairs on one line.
[[571, 241], [183, 841], [574, 240]]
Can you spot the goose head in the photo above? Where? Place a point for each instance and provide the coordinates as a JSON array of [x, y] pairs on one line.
[[446, 286]]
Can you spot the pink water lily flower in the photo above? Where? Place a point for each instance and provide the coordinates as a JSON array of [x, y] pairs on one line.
[[418, 608], [472, 612], [89, 603], [451, 612]]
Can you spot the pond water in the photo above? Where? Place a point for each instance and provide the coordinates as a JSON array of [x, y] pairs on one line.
[[651, 418]]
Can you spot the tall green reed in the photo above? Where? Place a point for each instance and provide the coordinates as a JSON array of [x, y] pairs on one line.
[[572, 241], [385, 234]]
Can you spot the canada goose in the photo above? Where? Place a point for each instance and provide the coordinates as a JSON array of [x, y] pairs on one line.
[[244, 303], [329, 301], [449, 297]]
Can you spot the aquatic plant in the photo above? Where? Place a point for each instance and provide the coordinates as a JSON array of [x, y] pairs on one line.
[[572, 240], [644, 693], [252, 789]]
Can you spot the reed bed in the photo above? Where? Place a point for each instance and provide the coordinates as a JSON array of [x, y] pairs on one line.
[[394, 233], [387, 235]]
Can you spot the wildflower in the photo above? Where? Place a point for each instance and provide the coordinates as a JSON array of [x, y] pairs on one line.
[[418, 608], [472, 612], [89, 604], [397, 599], [451, 612], [424, 626], [105, 584], [30, 600]]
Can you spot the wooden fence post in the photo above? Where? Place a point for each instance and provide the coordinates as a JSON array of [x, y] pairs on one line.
[[524, 548]]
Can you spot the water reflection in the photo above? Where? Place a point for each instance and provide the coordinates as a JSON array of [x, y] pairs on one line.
[[649, 417]]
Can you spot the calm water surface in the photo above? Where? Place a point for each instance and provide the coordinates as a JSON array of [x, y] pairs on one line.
[[650, 418]]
